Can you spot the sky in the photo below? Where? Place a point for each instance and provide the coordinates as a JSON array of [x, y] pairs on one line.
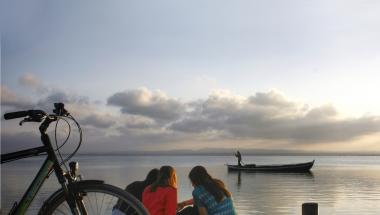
[[209, 75]]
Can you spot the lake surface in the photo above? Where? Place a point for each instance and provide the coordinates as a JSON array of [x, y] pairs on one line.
[[339, 184]]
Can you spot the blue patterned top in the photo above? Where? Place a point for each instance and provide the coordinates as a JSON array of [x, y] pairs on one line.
[[202, 198]]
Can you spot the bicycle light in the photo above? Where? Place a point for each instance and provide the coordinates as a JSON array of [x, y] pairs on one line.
[[74, 167]]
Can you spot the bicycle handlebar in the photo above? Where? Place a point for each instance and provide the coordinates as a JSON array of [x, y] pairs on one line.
[[35, 114], [14, 115]]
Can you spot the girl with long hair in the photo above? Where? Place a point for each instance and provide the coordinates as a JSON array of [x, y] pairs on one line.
[[160, 198], [210, 195]]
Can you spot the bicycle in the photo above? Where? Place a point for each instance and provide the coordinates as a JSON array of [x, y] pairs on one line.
[[77, 197]]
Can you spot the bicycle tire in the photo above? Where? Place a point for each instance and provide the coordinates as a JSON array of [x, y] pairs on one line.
[[99, 198]]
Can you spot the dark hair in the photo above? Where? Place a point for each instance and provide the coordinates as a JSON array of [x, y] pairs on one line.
[[166, 177], [152, 176], [199, 176]]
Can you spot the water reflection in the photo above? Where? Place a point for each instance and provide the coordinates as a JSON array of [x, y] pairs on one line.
[[338, 185], [239, 174], [263, 192], [280, 174]]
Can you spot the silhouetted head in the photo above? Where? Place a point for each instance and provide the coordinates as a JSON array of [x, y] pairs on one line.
[[200, 177], [152, 176], [166, 177]]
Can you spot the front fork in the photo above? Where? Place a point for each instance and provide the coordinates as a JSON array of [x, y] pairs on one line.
[[73, 197], [66, 179]]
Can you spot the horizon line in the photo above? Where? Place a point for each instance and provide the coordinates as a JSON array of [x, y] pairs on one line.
[[173, 153]]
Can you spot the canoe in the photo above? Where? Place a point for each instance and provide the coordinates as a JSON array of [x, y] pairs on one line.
[[299, 167]]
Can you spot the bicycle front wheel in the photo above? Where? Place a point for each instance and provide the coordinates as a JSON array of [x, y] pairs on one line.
[[97, 199]]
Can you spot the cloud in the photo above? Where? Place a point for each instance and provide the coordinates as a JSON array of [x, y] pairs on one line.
[[271, 116], [87, 112], [323, 112], [138, 122], [11, 99], [152, 119], [273, 98], [30, 80], [44, 97], [98, 121], [153, 104], [59, 96], [194, 125], [332, 130]]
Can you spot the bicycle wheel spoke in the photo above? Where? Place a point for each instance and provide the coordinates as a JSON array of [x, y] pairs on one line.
[[62, 209], [101, 205], [90, 203], [110, 202], [66, 206], [96, 200], [60, 212]]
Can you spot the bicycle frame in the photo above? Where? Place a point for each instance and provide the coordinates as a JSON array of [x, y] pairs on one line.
[[51, 163], [37, 182]]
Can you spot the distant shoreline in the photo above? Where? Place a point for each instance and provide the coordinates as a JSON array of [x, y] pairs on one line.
[[229, 152], [220, 154]]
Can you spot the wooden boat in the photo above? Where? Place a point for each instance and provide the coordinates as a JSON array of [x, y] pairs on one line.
[[299, 167]]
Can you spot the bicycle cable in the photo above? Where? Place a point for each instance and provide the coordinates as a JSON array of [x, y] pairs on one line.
[[68, 135], [59, 146], [80, 138], [64, 142], [79, 143]]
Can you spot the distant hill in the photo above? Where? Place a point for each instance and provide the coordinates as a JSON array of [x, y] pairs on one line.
[[227, 152]]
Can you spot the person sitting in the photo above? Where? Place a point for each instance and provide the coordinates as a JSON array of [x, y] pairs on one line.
[[136, 189], [210, 195], [160, 198]]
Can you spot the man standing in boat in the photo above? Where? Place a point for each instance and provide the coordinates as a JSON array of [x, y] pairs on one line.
[[238, 155]]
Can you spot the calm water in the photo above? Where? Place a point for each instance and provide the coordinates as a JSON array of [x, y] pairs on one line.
[[341, 185]]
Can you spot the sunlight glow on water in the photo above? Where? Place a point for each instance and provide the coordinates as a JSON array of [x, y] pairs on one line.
[[340, 185]]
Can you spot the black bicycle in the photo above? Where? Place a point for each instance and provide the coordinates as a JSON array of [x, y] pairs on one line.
[[77, 197]]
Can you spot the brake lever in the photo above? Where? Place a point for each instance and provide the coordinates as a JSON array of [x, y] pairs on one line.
[[29, 119], [22, 121]]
